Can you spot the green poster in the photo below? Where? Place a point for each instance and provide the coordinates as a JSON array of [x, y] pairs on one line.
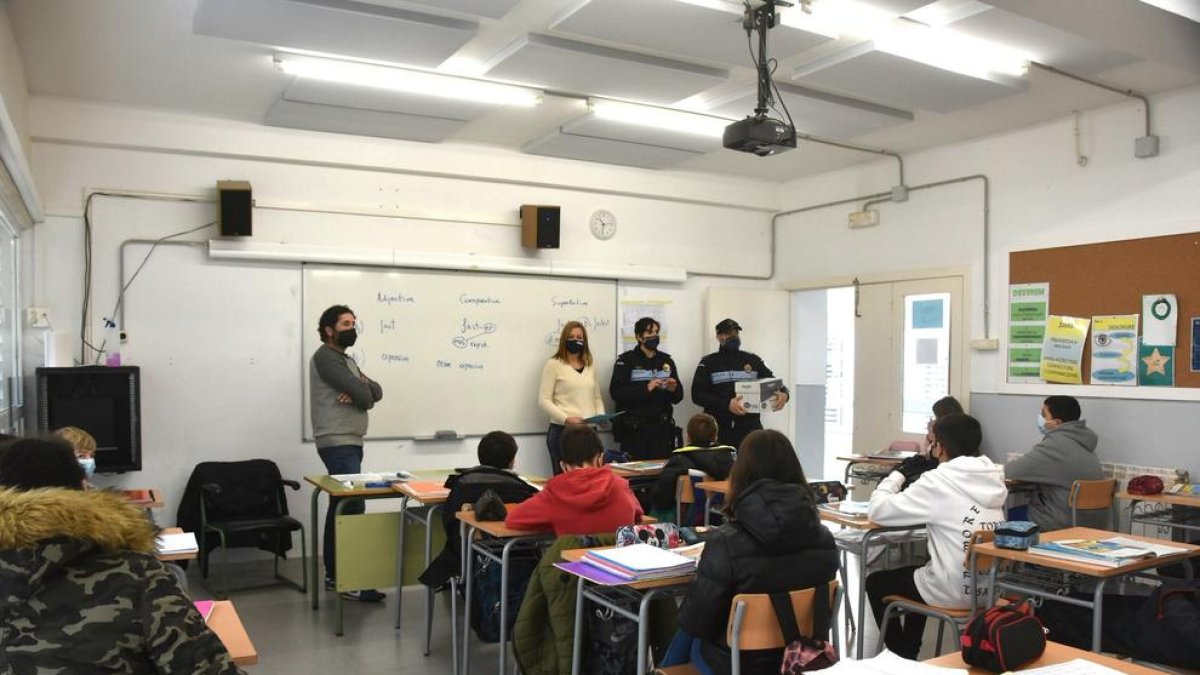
[[1156, 366]]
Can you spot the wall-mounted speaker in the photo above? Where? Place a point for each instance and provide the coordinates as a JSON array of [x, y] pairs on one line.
[[539, 226], [234, 206]]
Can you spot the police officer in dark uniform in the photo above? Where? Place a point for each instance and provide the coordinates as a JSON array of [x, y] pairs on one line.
[[645, 384], [714, 383]]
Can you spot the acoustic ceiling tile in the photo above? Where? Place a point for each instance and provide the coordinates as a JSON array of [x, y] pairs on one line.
[[679, 28], [820, 113], [578, 67], [305, 90], [342, 27], [607, 150], [314, 117], [592, 126], [492, 9]]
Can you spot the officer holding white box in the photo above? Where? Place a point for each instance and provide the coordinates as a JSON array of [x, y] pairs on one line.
[[714, 385]]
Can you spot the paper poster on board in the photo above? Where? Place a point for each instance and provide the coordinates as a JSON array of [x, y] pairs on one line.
[[1115, 350], [1160, 318], [1062, 351], [1156, 366], [1028, 308], [632, 310]]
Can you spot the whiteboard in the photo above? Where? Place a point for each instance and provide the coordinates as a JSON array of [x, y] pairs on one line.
[[456, 351]]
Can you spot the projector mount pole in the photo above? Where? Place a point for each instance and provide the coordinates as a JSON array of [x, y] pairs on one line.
[[759, 20]]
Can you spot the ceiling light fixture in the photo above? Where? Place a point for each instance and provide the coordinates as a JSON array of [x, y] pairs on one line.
[[658, 118], [949, 50], [403, 79]]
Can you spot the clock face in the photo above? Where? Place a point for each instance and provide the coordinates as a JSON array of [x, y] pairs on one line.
[[603, 224]]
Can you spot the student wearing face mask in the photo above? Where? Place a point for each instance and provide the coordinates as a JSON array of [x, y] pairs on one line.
[[84, 445], [715, 380], [1066, 453], [645, 385], [339, 397], [568, 391]]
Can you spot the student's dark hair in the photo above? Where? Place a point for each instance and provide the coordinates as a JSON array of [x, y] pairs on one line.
[[702, 429], [329, 319], [497, 449], [1063, 408], [765, 453], [946, 406], [644, 324], [31, 463], [580, 444], [959, 434]]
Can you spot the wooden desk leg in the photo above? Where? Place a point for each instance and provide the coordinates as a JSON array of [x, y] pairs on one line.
[[400, 560], [577, 643], [314, 557]]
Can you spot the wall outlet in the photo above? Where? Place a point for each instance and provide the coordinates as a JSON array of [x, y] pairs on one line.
[[37, 317], [859, 219]]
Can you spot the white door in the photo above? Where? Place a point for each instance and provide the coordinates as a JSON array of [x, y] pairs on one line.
[[909, 352]]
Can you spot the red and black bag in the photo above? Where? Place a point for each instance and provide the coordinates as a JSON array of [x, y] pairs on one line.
[[1145, 485], [1003, 638], [804, 653]]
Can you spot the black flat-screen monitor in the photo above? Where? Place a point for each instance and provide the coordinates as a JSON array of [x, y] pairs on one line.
[[105, 402]]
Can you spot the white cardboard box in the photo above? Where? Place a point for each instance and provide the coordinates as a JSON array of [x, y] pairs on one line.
[[756, 394]]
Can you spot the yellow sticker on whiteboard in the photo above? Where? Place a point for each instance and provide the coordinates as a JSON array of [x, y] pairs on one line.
[[1062, 351]]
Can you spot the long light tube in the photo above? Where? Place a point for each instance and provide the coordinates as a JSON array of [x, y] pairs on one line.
[[658, 118], [406, 80], [949, 50]]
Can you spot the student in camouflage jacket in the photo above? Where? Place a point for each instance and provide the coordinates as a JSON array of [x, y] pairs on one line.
[[82, 592]]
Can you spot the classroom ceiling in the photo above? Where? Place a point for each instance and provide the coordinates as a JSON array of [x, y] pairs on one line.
[[839, 71]]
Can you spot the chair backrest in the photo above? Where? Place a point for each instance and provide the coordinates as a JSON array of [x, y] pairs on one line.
[[1092, 494], [685, 492], [249, 489], [760, 627]]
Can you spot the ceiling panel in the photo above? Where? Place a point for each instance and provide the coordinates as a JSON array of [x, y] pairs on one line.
[[681, 29], [304, 90], [590, 125], [577, 67], [609, 151], [492, 9], [866, 72], [1045, 43], [314, 117], [340, 27], [820, 113]]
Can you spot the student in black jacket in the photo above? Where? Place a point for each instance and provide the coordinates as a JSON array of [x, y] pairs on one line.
[[774, 542], [497, 451], [701, 453]]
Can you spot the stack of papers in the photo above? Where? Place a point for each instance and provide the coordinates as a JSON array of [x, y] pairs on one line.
[[424, 488], [848, 508], [644, 465], [1112, 552], [180, 542], [640, 562], [887, 663]]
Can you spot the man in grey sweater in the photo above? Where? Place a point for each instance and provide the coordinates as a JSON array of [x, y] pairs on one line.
[[340, 396], [1067, 453]]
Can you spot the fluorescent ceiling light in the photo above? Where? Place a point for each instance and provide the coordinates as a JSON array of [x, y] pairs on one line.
[[406, 80], [949, 50], [658, 118], [946, 12]]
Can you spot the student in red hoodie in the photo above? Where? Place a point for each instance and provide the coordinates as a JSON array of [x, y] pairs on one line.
[[585, 499]]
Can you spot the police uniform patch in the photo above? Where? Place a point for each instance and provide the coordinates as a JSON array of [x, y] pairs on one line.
[[746, 367]]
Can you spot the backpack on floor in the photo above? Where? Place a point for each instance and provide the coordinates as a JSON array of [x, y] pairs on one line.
[[1001, 639], [611, 647], [485, 594]]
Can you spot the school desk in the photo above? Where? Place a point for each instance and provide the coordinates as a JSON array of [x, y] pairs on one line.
[[1055, 653], [1189, 504], [175, 557], [224, 621], [429, 503]]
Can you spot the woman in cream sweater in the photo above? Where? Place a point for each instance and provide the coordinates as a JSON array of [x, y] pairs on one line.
[[568, 392]]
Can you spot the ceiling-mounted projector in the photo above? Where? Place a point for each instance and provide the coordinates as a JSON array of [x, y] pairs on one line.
[[758, 133], [761, 135]]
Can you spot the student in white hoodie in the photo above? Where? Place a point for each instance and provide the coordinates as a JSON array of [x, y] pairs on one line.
[[963, 494]]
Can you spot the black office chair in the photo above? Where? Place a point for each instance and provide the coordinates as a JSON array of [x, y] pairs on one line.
[[242, 504]]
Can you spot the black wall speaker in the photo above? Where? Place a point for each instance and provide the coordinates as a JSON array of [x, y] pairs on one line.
[[234, 206], [105, 402], [539, 226]]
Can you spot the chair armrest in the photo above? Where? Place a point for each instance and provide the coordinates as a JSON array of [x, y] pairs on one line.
[[295, 485]]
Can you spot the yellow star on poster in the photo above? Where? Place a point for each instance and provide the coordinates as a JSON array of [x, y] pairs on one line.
[[1156, 363]]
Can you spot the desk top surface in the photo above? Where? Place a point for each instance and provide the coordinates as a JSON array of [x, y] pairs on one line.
[[497, 528], [576, 554], [1099, 571], [336, 488], [1162, 498], [644, 469], [172, 557], [153, 500], [224, 621], [720, 487], [1055, 653]]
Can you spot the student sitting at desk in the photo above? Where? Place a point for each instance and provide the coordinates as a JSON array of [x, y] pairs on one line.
[[774, 542], [702, 453], [1066, 454], [946, 405], [80, 588], [587, 498], [963, 494], [497, 452]]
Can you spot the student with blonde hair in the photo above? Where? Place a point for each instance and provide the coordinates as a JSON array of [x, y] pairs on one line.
[[84, 445]]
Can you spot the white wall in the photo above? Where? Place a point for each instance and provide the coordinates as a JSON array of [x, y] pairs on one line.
[[231, 388], [13, 92], [1040, 198]]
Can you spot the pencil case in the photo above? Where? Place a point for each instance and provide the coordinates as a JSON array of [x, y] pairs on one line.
[[1017, 534]]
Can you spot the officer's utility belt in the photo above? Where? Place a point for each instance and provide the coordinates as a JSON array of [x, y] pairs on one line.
[[629, 423]]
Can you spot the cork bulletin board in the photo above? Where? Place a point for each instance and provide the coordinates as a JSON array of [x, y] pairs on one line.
[[1111, 278]]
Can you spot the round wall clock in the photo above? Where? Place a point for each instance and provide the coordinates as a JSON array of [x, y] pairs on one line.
[[603, 224]]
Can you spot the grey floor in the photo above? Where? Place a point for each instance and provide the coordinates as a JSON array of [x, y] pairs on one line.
[[291, 638]]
